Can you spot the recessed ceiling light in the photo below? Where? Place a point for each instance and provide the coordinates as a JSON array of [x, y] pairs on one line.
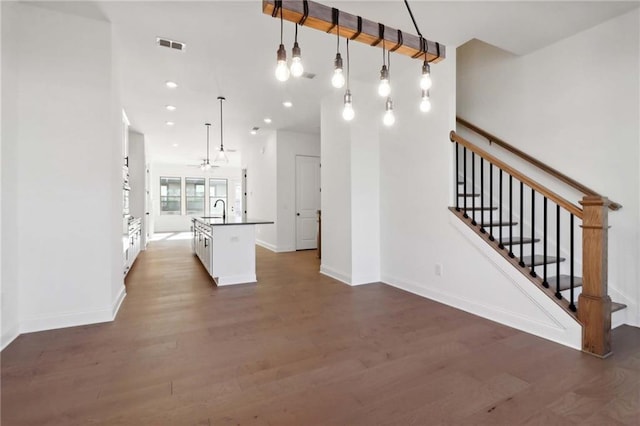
[[171, 84], [287, 104], [170, 108], [169, 123], [174, 145], [267, 120], [254, 131]]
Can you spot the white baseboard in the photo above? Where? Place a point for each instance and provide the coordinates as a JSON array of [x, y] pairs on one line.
[[115, 306], [267, 245], [336, 275], [571, 337], [9, 336], [236, 279], [74, 319]]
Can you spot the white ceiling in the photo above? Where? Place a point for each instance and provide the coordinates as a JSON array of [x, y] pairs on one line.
[[231, 49]]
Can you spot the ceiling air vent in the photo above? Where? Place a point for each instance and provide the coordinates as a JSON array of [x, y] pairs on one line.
[[172, 44]]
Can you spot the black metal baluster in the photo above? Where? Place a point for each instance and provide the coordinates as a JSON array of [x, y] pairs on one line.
[[521, 263], [544, 255], [558, 294], [511, 255], [473, 188], [500, 211], [464, 167], [491, 201], [533, 232], [482, 230], [572, 305], [457, 185]]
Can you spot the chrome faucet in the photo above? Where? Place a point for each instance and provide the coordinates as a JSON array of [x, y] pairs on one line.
[[224, 209]]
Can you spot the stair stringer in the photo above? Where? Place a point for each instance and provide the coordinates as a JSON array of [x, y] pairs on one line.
[[561, 328]]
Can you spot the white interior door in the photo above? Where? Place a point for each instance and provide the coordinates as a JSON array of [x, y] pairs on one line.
[[307, 201]]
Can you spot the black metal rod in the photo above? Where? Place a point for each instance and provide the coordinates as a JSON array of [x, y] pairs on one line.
[[533, 232], [500, 211], [572, 305], [558, 294], [521, 263], [457, 186], [491, 201], [473, 188], [544, 255], [464, 180], [511, 255], [482, 195]]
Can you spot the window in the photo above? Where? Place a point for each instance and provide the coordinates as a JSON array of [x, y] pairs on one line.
[[170, 195], [217, 191], [194, 191]]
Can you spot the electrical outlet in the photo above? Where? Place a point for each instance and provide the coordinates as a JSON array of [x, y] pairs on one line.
[[438, 269]]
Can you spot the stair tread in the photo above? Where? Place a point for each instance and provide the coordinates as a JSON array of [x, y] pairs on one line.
[[516, 240], [565, 282], [615, 306], [487, 225], [478, 208], [538, 260]]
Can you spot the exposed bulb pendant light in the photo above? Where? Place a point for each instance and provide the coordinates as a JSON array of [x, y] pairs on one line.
[[384, 88], [425, 80], [348, 113], [206, 165], [425, 103], [221, 158], [338, 76], [282, 70], [296, 60], [389, 118]]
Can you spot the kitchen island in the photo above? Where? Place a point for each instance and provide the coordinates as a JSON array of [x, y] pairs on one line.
[[227, 248]]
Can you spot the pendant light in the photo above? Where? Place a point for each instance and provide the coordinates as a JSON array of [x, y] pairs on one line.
[[348, 113], [282, 70], [221, 158], [338, 77], [296, 60], [425, 103], [389, 118], [384, 88], [425, 80], [206, 165]]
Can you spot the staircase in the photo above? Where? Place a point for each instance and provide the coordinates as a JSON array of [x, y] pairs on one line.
[[560, 246]]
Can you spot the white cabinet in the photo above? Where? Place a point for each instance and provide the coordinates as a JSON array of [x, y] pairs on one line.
[[134, 242]]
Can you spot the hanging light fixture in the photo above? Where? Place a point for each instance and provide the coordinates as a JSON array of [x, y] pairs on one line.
[[348, 113], [338, 77], [389, 118], [282, 70], [206, 165], [296, 60], [384, 88], [221, 158], [425, 80], [425, 103]]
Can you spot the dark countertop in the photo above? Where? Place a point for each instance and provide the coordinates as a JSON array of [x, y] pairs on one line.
[[217, 221]]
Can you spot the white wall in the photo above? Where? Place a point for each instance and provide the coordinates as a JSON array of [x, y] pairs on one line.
[[289, 145], [336, 191], [66, 171], [181, 223], [575, 106], [9, 170]]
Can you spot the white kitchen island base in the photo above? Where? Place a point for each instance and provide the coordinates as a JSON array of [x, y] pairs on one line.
[[227, 249]]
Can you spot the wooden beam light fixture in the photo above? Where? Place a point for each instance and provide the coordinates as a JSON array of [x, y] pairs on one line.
[[321, 17], [332, 20]]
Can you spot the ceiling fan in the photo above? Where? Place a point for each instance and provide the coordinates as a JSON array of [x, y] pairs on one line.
[[206, 163]]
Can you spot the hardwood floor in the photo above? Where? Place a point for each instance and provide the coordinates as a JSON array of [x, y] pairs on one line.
[[302, 349]]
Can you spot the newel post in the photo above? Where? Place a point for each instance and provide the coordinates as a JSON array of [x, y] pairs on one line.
[[594, 303]]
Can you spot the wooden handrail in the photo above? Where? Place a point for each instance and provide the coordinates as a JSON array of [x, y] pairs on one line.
[[567, 205], [550, 170]]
